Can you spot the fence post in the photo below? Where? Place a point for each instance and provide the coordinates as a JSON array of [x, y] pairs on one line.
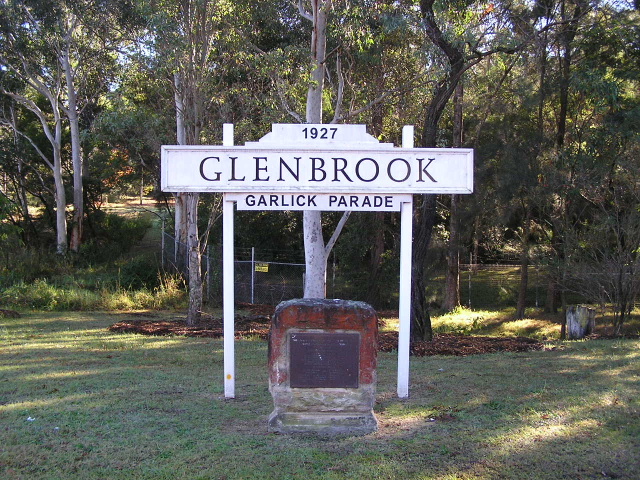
[[208, 274], [537, 303], [162, 246], [253, 274], [470, 269]]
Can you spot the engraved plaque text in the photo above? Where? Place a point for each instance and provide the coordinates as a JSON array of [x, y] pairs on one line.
[[329, 360]]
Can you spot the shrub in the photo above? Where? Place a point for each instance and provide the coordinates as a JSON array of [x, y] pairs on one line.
[[112, 235], [139, 272]]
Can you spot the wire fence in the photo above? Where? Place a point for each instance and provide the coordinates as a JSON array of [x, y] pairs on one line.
[[256, 280], [260, 280]]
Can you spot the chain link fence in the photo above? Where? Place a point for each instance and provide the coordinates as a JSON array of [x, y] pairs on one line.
[[256, 281], [261, 280]]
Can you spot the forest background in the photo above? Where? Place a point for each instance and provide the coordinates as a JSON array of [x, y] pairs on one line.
[[546, 92]]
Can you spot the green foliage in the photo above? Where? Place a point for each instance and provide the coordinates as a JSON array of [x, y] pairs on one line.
[[112, 235], [139, 272], [46, 296], [41, 295], [9, 232]]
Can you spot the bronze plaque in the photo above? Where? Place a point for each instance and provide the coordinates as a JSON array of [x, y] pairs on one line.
[[329, 360]]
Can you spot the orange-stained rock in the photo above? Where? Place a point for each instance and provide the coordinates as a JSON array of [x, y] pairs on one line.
[[329, 327]]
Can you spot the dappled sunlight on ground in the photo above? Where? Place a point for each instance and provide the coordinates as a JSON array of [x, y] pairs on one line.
[[79, 401]]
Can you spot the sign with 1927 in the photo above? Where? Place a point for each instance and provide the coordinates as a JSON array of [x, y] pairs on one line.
[[317, 167]]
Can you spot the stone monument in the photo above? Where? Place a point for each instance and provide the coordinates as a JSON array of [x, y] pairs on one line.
[[322, 367]]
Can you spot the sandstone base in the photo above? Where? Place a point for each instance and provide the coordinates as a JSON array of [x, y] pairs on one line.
[[323, 409], [323, 423]]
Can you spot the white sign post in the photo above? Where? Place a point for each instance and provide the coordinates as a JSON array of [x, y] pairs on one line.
[[319, 167]]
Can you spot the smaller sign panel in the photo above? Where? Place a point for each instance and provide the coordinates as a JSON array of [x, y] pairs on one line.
[[323, 202], [261, 267], [324, 360]]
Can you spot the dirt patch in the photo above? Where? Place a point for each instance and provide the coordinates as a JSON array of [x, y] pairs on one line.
[[257, 325]]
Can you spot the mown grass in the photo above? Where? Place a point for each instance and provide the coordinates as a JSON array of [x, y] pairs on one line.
[[79, 402]]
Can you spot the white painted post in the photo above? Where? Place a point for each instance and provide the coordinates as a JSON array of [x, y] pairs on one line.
[[228, 312], [407, 136], [404, 313]]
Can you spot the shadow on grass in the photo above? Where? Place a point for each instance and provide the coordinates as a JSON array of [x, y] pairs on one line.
[[77, 401]]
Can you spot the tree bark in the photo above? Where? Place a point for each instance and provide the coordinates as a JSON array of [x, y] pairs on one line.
[[452, 280], [76, 152], [314, 247], [524, 270], [194, 260], [426, 215], [420, 317], [61, 204], [452, 285], [186, 223]]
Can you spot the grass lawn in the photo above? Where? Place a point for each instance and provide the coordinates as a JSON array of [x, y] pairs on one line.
[[77, 401]]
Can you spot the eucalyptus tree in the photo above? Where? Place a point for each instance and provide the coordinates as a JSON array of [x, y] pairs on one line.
[[63, 52], [192, 43], [90, 36], [542, 195], [458, 36], [32, 77], [342, 41], [595, 152]]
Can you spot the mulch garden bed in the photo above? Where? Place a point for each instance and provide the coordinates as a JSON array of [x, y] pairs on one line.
[[257, 323]]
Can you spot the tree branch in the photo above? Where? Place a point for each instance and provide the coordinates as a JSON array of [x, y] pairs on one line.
[[303, 12], [278, 82], [338, 106], [336, 233]]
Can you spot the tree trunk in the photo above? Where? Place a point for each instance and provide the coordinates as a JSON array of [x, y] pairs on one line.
[[420, 317], [61, 205], [318, 51], [180, 223], [76, 154], [186, 223], [426, 215], [580, 321], [314, 254], [314, 248], [194, 259], [373, 280], [452, 280], [524, 270], [180, 234]]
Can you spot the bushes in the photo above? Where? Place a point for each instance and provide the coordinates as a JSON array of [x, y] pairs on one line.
[[111, 236], [43, 295], [103, 276], [139, 272]]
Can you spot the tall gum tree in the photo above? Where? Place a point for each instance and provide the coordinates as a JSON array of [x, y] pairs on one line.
[[70, 50], [318, 13], [486, 33], [26, 58], [193, 42], [315, 249]]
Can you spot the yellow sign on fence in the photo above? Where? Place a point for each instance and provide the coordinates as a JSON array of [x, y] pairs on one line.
[[262, 267]]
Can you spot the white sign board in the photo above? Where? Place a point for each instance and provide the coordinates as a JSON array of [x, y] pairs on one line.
[[318, 201], [243, 169], [323, 167]]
